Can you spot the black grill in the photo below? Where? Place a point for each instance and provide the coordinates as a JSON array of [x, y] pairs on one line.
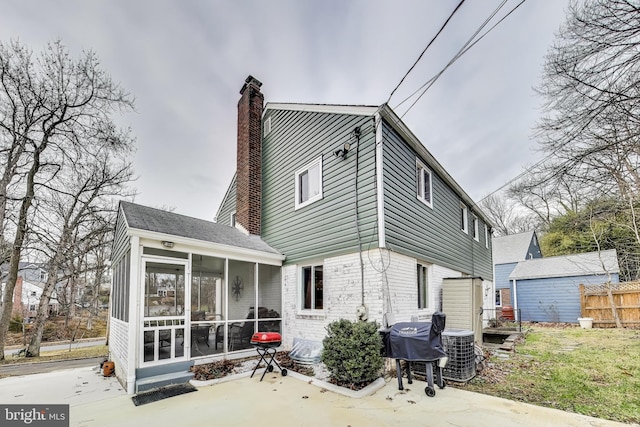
[[417, 342]]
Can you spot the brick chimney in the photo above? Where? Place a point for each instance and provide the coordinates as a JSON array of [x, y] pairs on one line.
[[18, 307], [249, 166]]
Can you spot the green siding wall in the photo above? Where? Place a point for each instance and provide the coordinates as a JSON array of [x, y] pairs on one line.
[[326, 227], [120, 239], [429, 234], [228, 204]]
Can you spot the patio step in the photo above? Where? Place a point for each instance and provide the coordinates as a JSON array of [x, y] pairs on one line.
[[150, 383], [162, 375]]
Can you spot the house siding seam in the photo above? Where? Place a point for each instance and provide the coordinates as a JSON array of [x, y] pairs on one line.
[[326, 227], [414, 229]]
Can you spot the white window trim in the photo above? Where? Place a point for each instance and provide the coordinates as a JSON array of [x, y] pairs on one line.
[[420, 184], [427, 267], [476, 228], [465, 217], [486, 236], [232, 218], [499, 294], [309, 311], [299, 205]]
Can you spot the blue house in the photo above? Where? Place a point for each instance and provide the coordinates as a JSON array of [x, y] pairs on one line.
[[547, 289], [508, 251]]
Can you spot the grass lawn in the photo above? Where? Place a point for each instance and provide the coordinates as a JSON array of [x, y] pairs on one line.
[[593, 372], [46, 356]]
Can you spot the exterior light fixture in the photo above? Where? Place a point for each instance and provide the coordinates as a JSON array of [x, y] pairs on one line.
[[342, 152], [167, 244]]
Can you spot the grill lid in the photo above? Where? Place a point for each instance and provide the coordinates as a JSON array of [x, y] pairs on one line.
[[416, 341], [266, 338]]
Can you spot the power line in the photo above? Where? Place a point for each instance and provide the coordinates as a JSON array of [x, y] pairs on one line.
[[425, 49], [464, 49]]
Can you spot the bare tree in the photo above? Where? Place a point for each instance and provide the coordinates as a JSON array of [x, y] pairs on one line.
[[52, 110], [507, 216], [79, 222]]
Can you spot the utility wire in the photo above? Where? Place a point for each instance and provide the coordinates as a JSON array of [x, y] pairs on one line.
[[465, 48], [425, 49], [460, 52]]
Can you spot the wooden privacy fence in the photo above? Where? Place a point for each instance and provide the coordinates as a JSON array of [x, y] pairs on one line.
[[595, 302]]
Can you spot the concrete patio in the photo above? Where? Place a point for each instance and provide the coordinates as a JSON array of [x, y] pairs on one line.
[[276, 401]]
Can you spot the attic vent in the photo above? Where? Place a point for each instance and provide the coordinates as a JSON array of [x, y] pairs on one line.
[[267, 126]]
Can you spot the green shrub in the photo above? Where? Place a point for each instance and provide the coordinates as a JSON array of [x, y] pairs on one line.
[[352, 351]]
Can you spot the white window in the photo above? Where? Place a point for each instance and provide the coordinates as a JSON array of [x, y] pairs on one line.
[[32, 307], [423, 286], [233, 218], [267, 126], [33, 293], [486, 236], [464, 218], [43, 276], [312, 292], [423, 184], [309, 183], [476, 232], [498, 298]]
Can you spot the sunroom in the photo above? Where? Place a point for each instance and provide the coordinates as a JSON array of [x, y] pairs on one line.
[[186, 291]]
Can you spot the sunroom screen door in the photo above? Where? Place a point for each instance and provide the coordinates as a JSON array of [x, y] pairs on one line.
[[163, 317]]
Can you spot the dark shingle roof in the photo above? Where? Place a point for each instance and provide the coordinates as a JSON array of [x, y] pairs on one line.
[[150, 219], [511, 248]]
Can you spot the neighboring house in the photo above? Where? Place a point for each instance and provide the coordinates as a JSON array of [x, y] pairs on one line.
[[508, 251], [28, 290], [369, 221], [334, 212], [548, 289]]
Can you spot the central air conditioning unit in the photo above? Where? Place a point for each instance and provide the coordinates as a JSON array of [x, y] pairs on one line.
[[460, 349]]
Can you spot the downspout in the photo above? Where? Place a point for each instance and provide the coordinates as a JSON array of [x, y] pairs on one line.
[[362, 310], [380, 182], [515, 299], [136, 284]]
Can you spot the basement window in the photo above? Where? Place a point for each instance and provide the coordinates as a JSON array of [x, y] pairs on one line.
[[308, 184]]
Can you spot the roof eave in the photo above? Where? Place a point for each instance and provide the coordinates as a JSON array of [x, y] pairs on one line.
[[197, 243]]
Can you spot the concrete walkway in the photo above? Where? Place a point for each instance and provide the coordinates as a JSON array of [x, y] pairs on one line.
[[276, 401]]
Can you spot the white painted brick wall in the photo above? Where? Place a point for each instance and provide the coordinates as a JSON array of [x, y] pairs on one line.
[[118, 346], [390, 285]]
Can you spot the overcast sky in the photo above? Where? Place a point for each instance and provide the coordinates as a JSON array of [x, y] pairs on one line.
[[185, 62]]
